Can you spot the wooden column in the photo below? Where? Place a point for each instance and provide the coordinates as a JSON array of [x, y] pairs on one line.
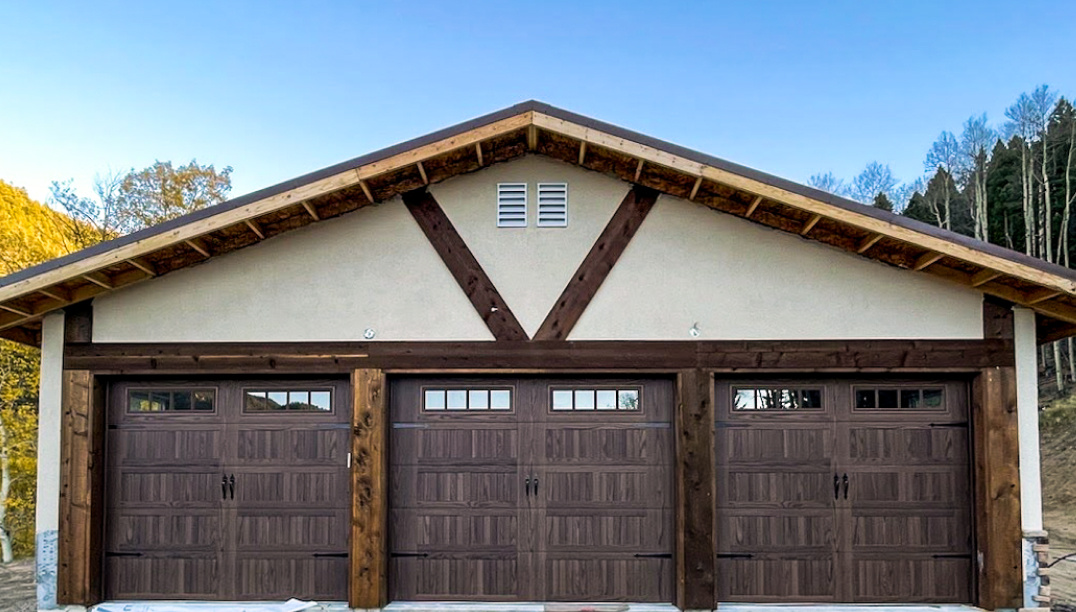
[[368, 579], [695, 542], [81, 525], [997, 489]]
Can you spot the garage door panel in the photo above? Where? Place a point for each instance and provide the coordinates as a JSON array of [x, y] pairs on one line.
[[148, 530], [455, 444], [910, 578], [643, 443], [288, 528], [151, 446], [463, 487], [265, 575], [910, 530], [289, 445], [769, 444], [748, 531], [761, 487], [763, 577], [907, 445], [432, 529], [454, 577], [920, 487], [605, 577], [614, 529], [167, 574], [185, 487], [596, 486], [310, 487]]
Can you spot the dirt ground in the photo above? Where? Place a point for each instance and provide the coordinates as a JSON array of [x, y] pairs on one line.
[[1058, 431], [17, 593]]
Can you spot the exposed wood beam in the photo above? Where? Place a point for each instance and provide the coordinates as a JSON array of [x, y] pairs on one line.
[[532, 137], [368, 559], [638, 171], [695, 188], [594, 269], [198, 245], [366, 190], [927, 260], [478, 151], [1040, 296], [422, 173], [867, 243], [459, 260], [99, 279], [807, 227], [254, 228], [582, 151], [15, 309], [983, 277], [311, 211], [695, 494], [752, 207], [143, 266], [55, 293], [1052, 309]]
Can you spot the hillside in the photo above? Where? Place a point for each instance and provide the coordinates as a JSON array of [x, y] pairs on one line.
[[1057, 423], [30, 232]]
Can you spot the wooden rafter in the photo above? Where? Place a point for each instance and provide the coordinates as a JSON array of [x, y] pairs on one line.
[[422, 173], [695, 188], [751, 208], [99, 279], [582, 152], [868, 242], [367, 192], [198, 245], [459, 260], [55, 293], [807, 227], [478, 152], [1041, 296], [311, 211], [15, 309], [926, 260], [983, 277], [252, 226], [638, 171], [603, 255], [143, 266], [532, 137]]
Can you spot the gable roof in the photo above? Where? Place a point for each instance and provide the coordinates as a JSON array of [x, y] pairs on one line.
[[535, 127]]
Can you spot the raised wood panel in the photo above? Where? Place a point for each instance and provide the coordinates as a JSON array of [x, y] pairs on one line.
[[182, 575], [283, 576], [778, 577], [368, 537]]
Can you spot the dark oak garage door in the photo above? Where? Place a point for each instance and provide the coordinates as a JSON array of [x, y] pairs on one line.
[[227, 490], [531, 489], [849, 491]]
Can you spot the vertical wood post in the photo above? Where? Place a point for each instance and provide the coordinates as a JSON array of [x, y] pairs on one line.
[[695, 543], [81, 526], [368, 576], [999, 537]]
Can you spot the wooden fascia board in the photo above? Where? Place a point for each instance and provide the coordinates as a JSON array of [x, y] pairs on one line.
[[261, 207], [861, 221]]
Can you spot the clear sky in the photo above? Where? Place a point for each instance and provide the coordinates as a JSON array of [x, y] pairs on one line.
[[278, 89]]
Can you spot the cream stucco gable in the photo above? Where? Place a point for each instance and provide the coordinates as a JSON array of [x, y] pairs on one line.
[[370, 269], [689, 266], [530, 266]]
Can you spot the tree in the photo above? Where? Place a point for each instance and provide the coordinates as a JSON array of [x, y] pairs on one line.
[[1027, 120], [975, 143], [882, 201], [828, 182], [876, 178], [942, 160], [140, 199]]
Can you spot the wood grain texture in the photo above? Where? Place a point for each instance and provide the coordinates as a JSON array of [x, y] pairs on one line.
[[368, 580], [586, 281], [997, 488], [695, 541], [725, 356], [997, 319], [78, 322], [464, 267], [81, 490]]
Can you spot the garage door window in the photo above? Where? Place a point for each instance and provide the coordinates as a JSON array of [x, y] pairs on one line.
[[170, 400], [596, 399], [287, 400], [899, 398], [776, 398], [472, 399]]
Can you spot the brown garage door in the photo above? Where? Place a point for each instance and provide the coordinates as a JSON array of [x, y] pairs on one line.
[[531, 489], [848, 491], [227, 490]]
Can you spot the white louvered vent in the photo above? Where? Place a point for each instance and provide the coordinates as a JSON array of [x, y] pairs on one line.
[[552, 204], [511, 205]]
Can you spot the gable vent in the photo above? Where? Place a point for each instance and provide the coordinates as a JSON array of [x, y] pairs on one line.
[[552, 204], [511, 205]]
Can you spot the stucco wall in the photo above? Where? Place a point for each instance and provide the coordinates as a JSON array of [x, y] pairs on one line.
[[47, 509], [530, 266], [689, 265], [330, 281]]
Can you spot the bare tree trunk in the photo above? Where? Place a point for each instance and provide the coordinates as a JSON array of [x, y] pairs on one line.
[[6, 553], [1028, 204]]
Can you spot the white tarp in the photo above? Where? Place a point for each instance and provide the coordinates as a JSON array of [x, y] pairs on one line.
[[292, 605]]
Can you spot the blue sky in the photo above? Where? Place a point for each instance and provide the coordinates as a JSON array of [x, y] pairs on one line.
[[278, 89]]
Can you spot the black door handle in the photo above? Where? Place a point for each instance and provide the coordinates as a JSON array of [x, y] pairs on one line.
[[845, 486], [527, 486], [223, 487], [836, 486], [231, 485], [536, 486]]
